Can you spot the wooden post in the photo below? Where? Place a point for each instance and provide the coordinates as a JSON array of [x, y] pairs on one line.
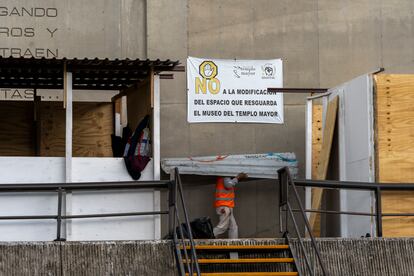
[[37, 123], [67, 197], [156, 127], [309, 123], [69, 118], [155, 92], [322, 171], [152, 83]]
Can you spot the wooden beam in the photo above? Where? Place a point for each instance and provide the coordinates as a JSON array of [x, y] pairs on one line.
[[156, 149], [65, 84], [152, 87], [323, 162], [37, 123]]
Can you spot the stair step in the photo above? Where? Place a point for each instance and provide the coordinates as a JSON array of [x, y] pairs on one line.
[[248, 273], [239, 247], [244, 261]]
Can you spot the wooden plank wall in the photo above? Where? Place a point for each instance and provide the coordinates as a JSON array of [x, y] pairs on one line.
[[92, 128], [138, 103], [17, 131], [395, 148], [52, 129]]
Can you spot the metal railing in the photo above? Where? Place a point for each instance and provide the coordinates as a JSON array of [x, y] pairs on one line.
[[176, 204], [175, 225], [286, 182], [62, 188]]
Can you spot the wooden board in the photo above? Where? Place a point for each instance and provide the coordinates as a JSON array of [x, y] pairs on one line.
[[93, 124], [317, 112], [138, 103], [52, 129], [395, 150], [322, 170], [92, 129], [17, 129]]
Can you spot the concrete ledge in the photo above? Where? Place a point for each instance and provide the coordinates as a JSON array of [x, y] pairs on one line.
[[118, 258], [365, 256], [30, 258]]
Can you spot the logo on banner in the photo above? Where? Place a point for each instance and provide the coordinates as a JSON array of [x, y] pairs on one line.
[[208, 82], [240, 71], [268, 71]]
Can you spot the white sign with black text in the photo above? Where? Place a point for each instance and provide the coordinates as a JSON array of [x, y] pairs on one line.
[[234, 90]]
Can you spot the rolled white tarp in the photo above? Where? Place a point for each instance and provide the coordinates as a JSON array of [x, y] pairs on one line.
[[263, 165]]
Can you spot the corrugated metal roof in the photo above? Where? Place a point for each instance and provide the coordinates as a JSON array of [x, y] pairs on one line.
[[100, 74]]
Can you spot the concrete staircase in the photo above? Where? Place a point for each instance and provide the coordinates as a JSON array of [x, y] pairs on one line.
[[245, 259]]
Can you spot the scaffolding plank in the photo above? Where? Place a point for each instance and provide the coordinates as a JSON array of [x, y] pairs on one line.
[[328, 133]]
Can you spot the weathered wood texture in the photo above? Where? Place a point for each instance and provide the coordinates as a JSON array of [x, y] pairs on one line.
[[52, 129], [92, 128], [376, 257], [395, 148], [317, 112], [17, 129], [138, 103], [324, 155]]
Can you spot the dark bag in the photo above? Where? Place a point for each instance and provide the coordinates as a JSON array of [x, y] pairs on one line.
[[136, 164], [202, 228], [184, 231]]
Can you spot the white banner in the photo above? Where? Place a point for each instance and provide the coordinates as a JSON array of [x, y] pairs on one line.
[[234, 90]]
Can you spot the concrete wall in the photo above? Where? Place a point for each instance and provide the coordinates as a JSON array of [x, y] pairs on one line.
[[323, 43], [359, 256], [87, 258], [340, 256]]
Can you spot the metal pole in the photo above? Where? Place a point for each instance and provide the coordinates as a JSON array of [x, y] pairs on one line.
[[171, 207], [187, 221], [305, 218], [280, 220], [59, 216], [285, 179], [378, 210], [300, 241]]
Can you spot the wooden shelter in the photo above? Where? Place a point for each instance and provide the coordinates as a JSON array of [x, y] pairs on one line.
[[56, 124]]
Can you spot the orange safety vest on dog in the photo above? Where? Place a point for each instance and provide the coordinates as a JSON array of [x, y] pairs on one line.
[[224, 196]]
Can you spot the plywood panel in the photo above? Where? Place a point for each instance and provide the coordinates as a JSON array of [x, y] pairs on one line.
[[395, 150], [92, 129], [93, 124], [328, 133], [52, 129], [17, 131], [317, 112], [138, 103]]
